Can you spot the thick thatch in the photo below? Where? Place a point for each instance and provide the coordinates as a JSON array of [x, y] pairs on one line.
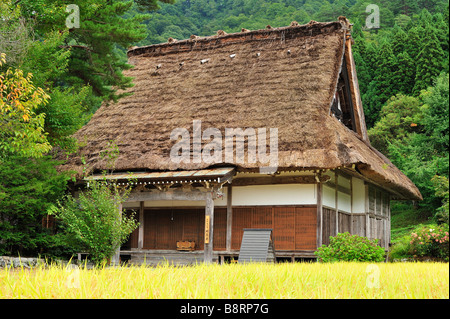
[[281, 78]]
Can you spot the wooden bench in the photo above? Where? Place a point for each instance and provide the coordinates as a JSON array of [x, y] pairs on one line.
[[186, 245]]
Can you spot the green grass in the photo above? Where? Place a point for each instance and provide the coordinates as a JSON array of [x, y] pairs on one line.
[[273, 281], [404, 218]]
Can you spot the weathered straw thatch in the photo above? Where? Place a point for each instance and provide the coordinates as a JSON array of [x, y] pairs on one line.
[[262, 86]]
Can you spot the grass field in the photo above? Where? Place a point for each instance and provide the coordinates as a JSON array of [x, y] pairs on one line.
[[274, 281]]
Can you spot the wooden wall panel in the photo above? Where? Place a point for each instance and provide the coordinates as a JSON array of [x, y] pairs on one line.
[[359, 225], [193, 226], [372, 200], [242, 218], [294, 228], [149, 229], [284, 228], [344, 222], [164, 227], [329, 225], [262, 217], [220, 229], [380, 232], [164, 231], [305, 228]]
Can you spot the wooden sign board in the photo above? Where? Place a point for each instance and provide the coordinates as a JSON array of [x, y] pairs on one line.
[[207, 218]]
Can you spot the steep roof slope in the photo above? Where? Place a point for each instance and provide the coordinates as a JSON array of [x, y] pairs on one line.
[[281, 78]]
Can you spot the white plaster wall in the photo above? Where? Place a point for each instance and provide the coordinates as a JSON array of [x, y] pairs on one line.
[[344, 202], [286, 194], [342, 181], [329, 197], [358, 195]]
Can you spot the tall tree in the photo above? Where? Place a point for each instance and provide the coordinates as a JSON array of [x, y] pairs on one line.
[[430, 61], [28, 188], [21, 130], [104, 29], [424, 154]]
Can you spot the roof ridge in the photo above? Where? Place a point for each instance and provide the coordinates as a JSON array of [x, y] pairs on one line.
[[245, 35]]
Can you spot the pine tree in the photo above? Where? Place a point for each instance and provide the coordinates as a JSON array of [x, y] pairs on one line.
[[398, 40], [382, 87], [429, 61], [405, 73], [414, 41], [97, 46]]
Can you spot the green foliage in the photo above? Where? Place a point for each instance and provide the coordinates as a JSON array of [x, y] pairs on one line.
[[28, 188], [430, 61], [400, 249], [73, 72], [21, 131], [65, 113], [95, 49], [347, 247], [94, 222], [68, 107], [436, 114], [441, 186], [414, 133], [398, 118], [424, 153]]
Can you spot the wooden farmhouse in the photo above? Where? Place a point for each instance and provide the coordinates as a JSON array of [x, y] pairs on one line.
[[298, 86]]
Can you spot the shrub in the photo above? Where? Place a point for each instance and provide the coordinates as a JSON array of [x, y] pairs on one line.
[[347, 247], [401, 248], [94, 223], [430, 241]]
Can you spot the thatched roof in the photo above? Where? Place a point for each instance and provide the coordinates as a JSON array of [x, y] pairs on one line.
[[281, 78]]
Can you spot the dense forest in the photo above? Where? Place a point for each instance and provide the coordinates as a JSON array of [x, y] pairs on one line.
[[53, 78]]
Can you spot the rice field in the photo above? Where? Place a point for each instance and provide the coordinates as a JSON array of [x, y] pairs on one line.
[[237, 281]]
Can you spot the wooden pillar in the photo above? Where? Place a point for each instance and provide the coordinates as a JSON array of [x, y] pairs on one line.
[[115, 259], [319, 215], [374, 229], [336, 202], [366, 186], [351, 206], [387, 222], [229, 216], [141, 226], [209, 223]]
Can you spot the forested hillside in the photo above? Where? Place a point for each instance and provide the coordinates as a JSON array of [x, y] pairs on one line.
[[60, 76]]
